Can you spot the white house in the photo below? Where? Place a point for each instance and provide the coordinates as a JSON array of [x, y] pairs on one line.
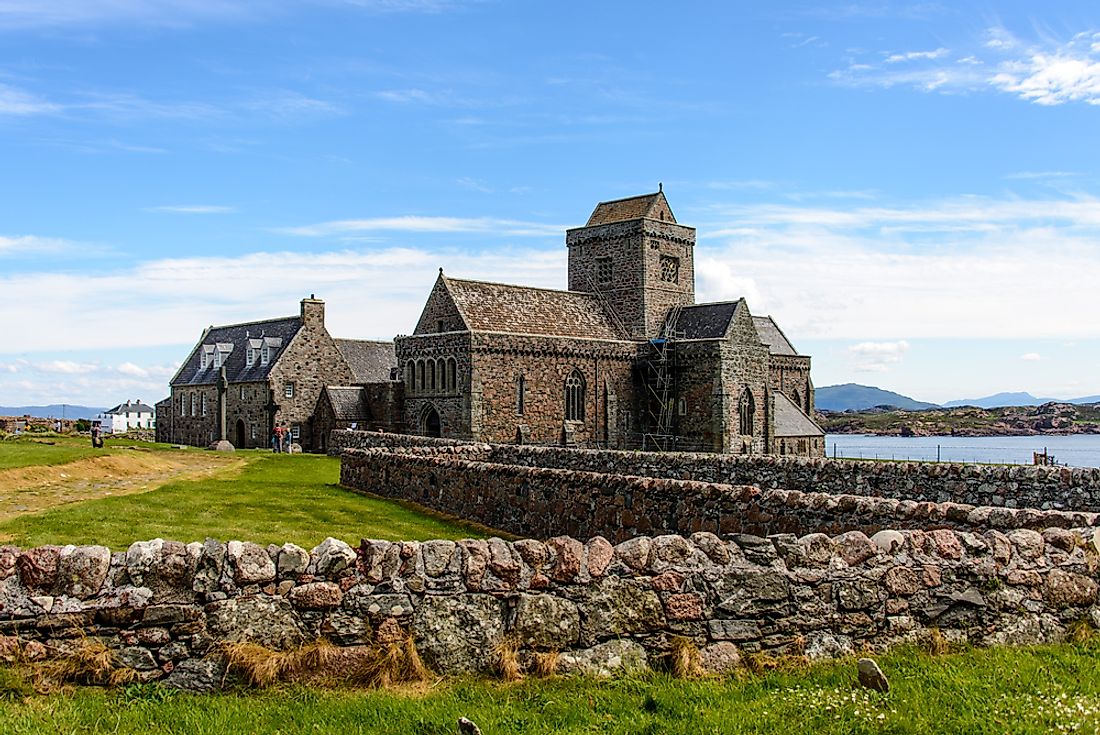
[[126, 416]]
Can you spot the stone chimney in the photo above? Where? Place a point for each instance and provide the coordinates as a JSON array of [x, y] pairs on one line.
[[313, 311]]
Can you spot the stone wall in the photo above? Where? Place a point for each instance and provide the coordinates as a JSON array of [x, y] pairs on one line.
[[165, 608], [536, 501], [1051, 488]]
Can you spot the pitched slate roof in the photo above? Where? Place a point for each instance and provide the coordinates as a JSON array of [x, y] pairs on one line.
[[790, 419], [500, 307], [705, 321], [235, 362], [370, 361], [772, 336], [624, 210], [348, 402], [131, 407]]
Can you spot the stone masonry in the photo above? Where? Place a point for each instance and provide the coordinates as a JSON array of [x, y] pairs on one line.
[[165, 607]]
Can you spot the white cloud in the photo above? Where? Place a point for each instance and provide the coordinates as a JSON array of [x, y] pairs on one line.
[[877, 357], [917, 55], [26, 244], [66, 367], [1031, 357], [1045, 72], [193, 209], [16, 102], [412, 223]]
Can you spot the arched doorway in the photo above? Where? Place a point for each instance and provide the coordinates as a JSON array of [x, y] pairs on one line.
[[240, 432], [432, 425]]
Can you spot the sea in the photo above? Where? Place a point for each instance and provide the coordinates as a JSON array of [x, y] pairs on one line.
[[1078, 450]]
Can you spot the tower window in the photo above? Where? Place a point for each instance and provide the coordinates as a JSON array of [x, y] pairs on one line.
[[521, 397], [670, 269], [603, 270], [747, 411]]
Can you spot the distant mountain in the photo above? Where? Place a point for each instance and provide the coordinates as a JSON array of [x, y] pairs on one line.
[[1000, 400], [852, 397], [53, 411]]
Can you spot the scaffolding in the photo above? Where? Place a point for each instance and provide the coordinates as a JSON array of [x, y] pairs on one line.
[[659, 380]]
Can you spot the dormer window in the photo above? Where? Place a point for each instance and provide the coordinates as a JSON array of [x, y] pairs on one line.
[[265, 355], [202, 359], [250, 357], [217, 358]]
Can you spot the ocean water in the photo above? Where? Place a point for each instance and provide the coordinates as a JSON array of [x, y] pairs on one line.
[[1080, 450]]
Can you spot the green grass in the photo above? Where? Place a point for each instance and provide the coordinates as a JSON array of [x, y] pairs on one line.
[[991, 691], [276, 498], [20, 452]]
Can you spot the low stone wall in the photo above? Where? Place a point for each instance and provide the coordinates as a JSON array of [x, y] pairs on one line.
[[1047, 488], [539, 502], [165, 607]]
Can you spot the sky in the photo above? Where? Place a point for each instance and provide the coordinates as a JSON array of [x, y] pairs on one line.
[[911, 190]]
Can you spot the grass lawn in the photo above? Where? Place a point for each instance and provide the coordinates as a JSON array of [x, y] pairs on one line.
[[1029, 690], [275, 498], [25, 452]]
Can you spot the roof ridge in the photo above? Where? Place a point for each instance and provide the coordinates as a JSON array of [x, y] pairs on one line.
[[367, 341], [627, 199], [525, 288], [258, 321]]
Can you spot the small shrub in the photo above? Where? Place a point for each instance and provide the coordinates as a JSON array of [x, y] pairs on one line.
[[1080, 631], [393, 659], [544, 663], [935, 642], [506, 659]]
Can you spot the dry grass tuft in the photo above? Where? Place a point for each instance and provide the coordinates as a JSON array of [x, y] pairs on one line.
[[506, 659], [685, 661], [91, 663], [263, 667], [544, 663], [393, 660], [1080, 631], [935, 643]]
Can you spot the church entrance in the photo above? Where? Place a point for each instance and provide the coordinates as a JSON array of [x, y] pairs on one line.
[[239, 443], [432, 424]]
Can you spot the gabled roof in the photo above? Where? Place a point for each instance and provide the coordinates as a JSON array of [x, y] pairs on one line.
[[235, 362], [130, 407], [370, 361], [705, 321], [348, 402], [790, 420], [651, 206], [772, 336], [500, 307]]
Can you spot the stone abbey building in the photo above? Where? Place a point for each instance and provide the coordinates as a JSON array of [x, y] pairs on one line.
[[624, 358]]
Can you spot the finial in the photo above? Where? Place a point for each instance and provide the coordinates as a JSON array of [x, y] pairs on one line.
[[660, 187], [440, 270]]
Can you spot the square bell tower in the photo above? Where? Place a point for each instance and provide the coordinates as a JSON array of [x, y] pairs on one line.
[[634, 254]]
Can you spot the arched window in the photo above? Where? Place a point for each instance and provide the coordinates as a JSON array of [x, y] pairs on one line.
[[574, 396], [420, 375], [410, 376], [746, 409], [453, 371], [797, 399], [521, 394], [431, 374], [441, 368]]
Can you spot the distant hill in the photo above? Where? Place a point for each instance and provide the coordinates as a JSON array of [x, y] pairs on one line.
[[53, 411], [852, 397], [1000, 400]]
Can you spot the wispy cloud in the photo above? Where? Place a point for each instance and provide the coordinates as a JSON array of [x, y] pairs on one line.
[[1046, 72], [877, 357], [193, 209], [32, 245], [424, 224], [1031, 357], [19, 103]]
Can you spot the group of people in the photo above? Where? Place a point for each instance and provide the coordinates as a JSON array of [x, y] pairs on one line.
[[281, 439]]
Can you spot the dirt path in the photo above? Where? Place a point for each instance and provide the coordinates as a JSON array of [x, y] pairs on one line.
[[124, 471]]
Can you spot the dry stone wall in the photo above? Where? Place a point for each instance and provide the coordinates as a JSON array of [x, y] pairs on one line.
[[536, 501], [1045, 488], [165, 608]]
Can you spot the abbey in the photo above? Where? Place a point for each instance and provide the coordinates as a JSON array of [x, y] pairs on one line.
[[624, 358]]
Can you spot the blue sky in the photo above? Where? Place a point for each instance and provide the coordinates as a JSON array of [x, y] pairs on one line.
[[911, 190]]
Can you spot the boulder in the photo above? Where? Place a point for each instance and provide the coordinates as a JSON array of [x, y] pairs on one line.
[[545, 621], [82, 570], [871, 676], [331, 557], [605, 659], [251, 563], [197, 675], [458, 634], [268, 621]]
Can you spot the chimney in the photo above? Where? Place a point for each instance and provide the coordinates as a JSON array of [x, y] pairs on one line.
[[313, 311]]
